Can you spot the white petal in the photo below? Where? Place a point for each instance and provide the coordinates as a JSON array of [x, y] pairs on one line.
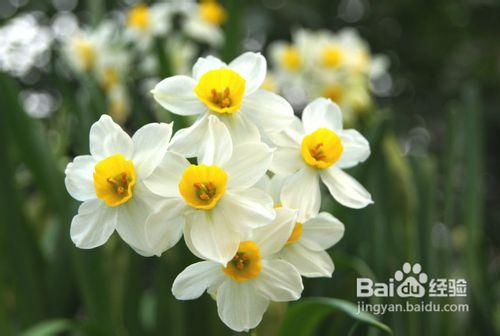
[[150, 145], [252, 67], [79, 179], [264, 183], [322, 113], [272, 237], [187, 239], [93, 225], [290, 136], [301, 191], [356, 149], [286, 160], [164, 181], [270, 112], [277, 183], [241, 128], [239, 305], [248, 164], [176, 94], [309, 263], [216, 147], [251, 208], [345, 189], [187, 141], [107, 138], [203, 32], [205, 64], [132, 216], [164, 226], [195, 279], [214, 239], [279, 281], [322, 231]]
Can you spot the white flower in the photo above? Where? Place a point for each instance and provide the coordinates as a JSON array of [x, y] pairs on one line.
[[146, 22], [109, 182], [319, 149], [112, 66], [83, 48], [215, 198], [306, 245], [250, 280], [230, 92], [118, 103], [23, 43], [203, 20]]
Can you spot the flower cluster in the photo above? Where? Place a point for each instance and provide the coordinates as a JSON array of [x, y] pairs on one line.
[[24, 43], [249, 206], [137, 36], [324, 64]]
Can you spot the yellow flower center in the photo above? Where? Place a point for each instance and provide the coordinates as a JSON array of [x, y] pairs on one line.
[[202, 186], [296, 233], [85, 52], [138, 17], [291, 59], [334, 92], [221, 90], [321, 148], [245, 264], [109, 78], [331, 57], [117, 109], [211, 11], [114, 180]]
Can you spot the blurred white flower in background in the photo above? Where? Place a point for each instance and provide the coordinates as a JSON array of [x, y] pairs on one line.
[[144, 22], [83, 48], [37, 104], [203, 20], [23, 44], [338, 66]]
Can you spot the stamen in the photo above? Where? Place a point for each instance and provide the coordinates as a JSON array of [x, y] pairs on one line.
[[317, 153], [205, 192], [222, 99], [120, 185]]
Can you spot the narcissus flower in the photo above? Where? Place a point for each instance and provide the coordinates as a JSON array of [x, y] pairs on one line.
[[306, 245], [109, 182], [229, 92], [214, 198], [320, 149], [83, 48], [305, 248], [149, 20], [203, 21], [245, 286]]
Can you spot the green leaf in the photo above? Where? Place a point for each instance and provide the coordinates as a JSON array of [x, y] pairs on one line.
[[50, 327], [303, 317]]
